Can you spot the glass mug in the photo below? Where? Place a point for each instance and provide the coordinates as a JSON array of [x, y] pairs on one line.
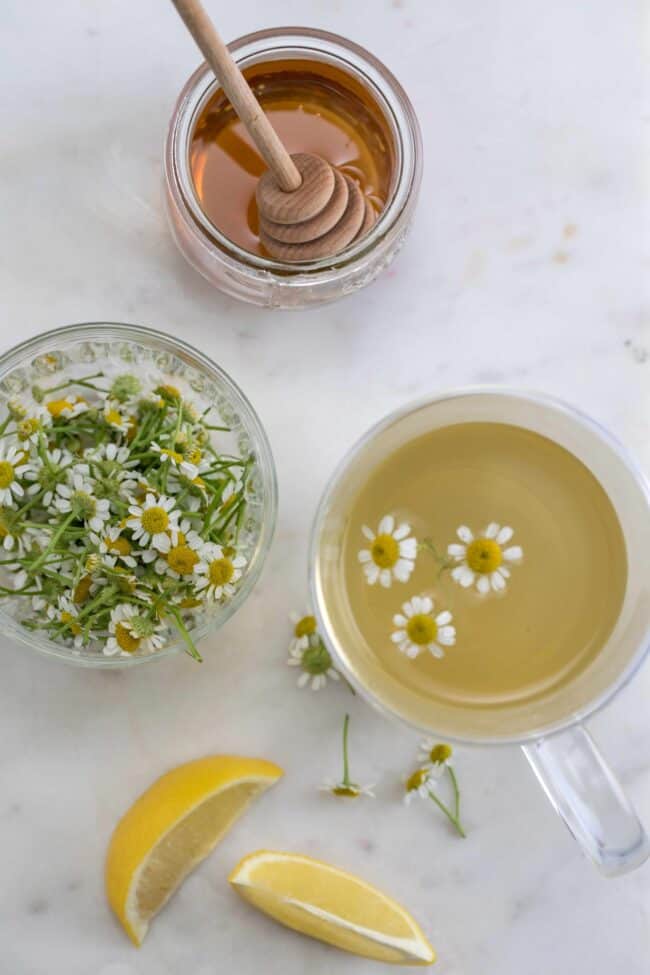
[[565, 759]]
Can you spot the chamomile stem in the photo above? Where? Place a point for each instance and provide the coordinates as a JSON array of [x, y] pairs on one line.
[[454, 785], [53, 542], [182, 629], [346, 765], [450, 816]]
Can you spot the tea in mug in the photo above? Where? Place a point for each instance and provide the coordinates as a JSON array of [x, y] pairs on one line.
[[482, 565]]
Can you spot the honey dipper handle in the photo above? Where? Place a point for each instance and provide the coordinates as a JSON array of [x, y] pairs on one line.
[[239, 93]]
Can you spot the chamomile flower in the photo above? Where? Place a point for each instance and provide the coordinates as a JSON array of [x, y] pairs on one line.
[[30, 427], [77, 497], [180, 562], [436, 756], [68, 407], [391, 555], [112, 416], [46, 476], [482, 559], [304, 627], [418, 629], [419, 784], [176, 460], [345, 788], [65, 612], [12, 536], [218, 572], [152, 521], [315, 663], [115, 546], [132, 631]]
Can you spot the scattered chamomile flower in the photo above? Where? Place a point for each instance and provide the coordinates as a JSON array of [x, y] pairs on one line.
[[418, 783], [47, 476], [345, 788], [313, 658], [436, 755], [424, 781], [118, 421], [482, 558], [152, 521], [217, 572], [66, 613], [32, 425], [391, 555], [13, 466], [125, 387], [418, 629], [304, 627]]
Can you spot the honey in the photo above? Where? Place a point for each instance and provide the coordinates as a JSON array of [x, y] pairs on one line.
[[314, 107]]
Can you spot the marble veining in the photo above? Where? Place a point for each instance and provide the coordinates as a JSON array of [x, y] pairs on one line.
[[526, 265]]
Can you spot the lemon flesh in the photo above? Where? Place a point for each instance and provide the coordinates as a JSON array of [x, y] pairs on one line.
[[331, 905], [172, 827]]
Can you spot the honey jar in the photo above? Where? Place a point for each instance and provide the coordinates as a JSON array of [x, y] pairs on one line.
[[323, 95]]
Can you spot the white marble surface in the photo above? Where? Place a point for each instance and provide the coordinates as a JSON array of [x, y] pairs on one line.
[[525, 266]]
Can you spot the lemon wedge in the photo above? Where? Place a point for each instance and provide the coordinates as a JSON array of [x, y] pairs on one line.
[[172, 827], [327, 903]]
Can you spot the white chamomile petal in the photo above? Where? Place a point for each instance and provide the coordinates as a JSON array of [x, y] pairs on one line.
[[465, 534], [504, 535], [513, 554]]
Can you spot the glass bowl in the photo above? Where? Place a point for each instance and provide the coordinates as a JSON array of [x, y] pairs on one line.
[[68, 352]]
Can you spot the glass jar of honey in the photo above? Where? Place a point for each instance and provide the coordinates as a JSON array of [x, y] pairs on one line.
[[324, 95]]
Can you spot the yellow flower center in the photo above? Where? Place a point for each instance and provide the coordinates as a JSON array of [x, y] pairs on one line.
[[484, 555], [440, 754], [193, 455], [6, 474], [385, 551], [70, 622], [120, 546], [155, 520], [349, 791], [188, 602], [417, 779], [169, 391], [199, 482], [132, 430], [4, 531], [82, 589], [57, 406], [26, 428], [221, 572], [112, 416], [182, 559], [421, 629], [171, 455], [228, 503], [306, 626], [125, 639]]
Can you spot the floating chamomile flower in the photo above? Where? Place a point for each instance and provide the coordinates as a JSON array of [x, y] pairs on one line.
[[76, 497], [176, 459], [481, 559], [345, 788], [12, 467], [391, 555], [418, 629], [152, 521], [218, 572], [132, 631]]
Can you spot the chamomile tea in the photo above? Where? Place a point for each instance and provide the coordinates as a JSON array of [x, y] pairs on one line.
[[481, 566]]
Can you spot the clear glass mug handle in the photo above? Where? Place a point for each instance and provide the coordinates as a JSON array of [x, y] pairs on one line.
[[588, 797]]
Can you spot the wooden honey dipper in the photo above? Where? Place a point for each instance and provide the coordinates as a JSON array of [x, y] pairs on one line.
[[307, 208]]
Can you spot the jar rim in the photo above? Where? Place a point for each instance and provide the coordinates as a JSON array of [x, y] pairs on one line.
[[354, 60]]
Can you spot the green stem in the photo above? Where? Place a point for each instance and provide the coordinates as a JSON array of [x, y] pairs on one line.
[[450, 816], [454, 785], [346, 765], [52, 543], [182, 629]]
